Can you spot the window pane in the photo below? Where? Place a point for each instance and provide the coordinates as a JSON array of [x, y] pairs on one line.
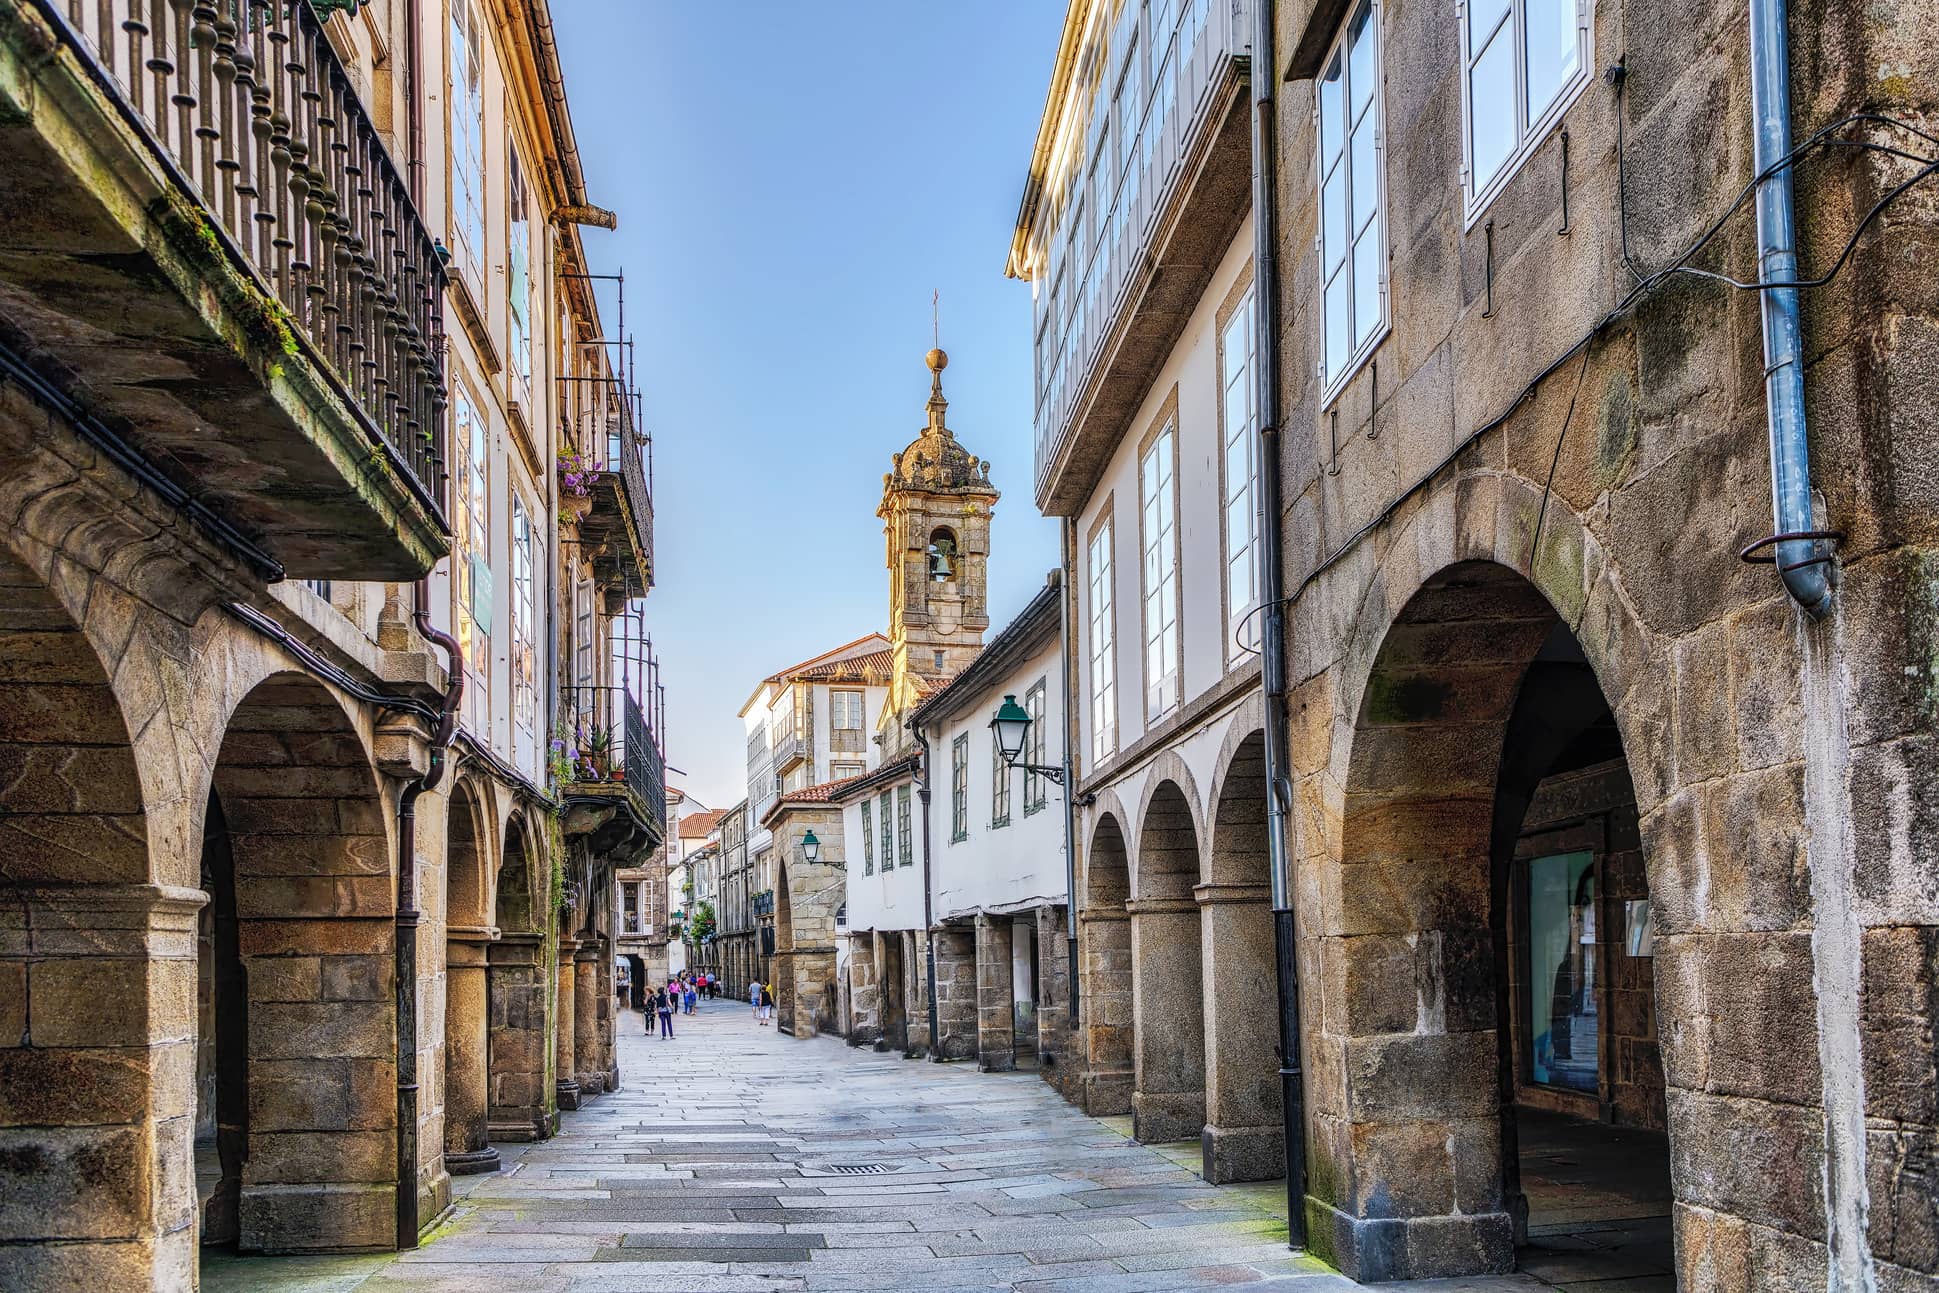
[[1483, 15], [1332, 111], [1366, 284], [1553, 54], [1333, 207], [1561, 988], [1492, 128], [1337, 346], [1360, 77], [1365, 175]]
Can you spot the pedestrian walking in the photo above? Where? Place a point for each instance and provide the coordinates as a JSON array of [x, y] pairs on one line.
[[767, 1004], [754, 998], [690, 996], [664, 1004]]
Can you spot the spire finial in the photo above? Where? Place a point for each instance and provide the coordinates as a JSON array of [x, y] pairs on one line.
[[937, 360]]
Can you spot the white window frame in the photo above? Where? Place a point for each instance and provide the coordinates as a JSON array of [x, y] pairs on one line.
[[1333, 382], [527, 560], [468, 135], [868, 838], [1035, 796], [959, 789], [904, 839], [518, 266], [1102, 630], [1530, 132], [887, 824], [1158, 569], [471, 564], [1239, 483]]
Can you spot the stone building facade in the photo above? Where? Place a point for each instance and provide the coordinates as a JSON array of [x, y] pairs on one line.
[[293, 922], [1586, 817]]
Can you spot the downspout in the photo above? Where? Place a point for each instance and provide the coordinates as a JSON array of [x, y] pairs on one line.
[[407, 922], [1272, 596], [1800, 552], [928, 914], [1068, 661]]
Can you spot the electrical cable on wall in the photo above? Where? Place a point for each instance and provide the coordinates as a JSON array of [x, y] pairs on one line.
[[1646, 286]]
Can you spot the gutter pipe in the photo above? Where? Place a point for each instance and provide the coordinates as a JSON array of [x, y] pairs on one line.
[[928, 914], [1272, 581], [408, 916], [1068, 659], [1801, 554]]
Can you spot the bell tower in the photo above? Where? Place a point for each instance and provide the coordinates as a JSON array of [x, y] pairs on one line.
[[936, 505]]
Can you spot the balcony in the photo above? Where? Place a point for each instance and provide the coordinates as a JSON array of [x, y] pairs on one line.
[[601, 410], [764, 903], [614, 786], [1162, 229], [208, 249]]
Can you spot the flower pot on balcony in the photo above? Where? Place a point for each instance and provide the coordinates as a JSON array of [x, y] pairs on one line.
[[574, 507]]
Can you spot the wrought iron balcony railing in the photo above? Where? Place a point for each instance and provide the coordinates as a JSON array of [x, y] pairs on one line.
[[248, 107], [601, 425], [611, 744]]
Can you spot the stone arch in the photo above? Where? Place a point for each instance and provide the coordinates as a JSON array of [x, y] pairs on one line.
[[1244, 1134], [106, 959], [315, 897], [1104, 934], [1454, 724], [1167, 967], [467, 941], [516, 987], [1168, 778]]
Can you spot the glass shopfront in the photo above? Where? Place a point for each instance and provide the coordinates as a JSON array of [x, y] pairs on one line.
[[1559, 986]]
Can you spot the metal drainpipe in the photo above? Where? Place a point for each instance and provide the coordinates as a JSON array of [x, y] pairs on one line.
[[1067, 661], [1800, 560], [1272, 583], [928, 918], [408, 915]]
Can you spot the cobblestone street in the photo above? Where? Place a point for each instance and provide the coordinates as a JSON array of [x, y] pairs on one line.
[[731, 1161]]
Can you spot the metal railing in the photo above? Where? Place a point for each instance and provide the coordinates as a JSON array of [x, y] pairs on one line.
[[764, 903], [601, 415], [1188, 62], [611, 743], [250, 110]]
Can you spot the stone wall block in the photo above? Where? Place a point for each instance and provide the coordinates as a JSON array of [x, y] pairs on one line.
[[1765, 672], [320, 1218], [43, 1170], [306, 1157], [66, 1000], [300, 1095], [1753, 1159], [1414, 1076], [69, 1085], [297, 1032], [357, 978], [1753, 833], [1895, 796], [1899, 1002]]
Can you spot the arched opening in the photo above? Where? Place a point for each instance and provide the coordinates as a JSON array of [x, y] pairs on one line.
[[636, 984], [298, 809], [467, 941], [1168, 993], [1110, 1023], [516, 990], [944, 556], [93, 995], [783, 967], [1503, 1087], [1245, 1136]]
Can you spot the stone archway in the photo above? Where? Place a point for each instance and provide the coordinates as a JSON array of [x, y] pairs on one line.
[[516, 991], [1167, 967], [467, 942], [1105, 933], [97, 974], [1476, 695], [1245, 1136], [315, 894], [783, 971]]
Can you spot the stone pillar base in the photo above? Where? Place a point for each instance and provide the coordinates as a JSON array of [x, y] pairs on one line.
[[1243, 1154], [568, 1095], [1105, 1093], [996, 1061], [521, 1132], [1410, 1248], [472, 1162], [1158, 1118]]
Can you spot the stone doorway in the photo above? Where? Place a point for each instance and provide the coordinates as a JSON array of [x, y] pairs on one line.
[[1490, 947], [222, 1046], [1110, 1023], [1167, 967], [467, 1010]]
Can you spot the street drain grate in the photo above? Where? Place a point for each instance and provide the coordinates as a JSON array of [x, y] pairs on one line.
[[860, 1169]]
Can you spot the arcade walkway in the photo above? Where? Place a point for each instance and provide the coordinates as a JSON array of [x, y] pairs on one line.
[[736, 1159]]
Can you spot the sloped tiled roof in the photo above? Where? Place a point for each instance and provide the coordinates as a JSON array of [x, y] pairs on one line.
[[695, 826], [874, 667]]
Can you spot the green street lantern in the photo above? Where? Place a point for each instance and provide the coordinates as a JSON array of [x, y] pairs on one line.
[[810, 847], [1012, 728]]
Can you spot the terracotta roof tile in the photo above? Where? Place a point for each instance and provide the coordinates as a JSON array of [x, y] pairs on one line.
[[695, 826]]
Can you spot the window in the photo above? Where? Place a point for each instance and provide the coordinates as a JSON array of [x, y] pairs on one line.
[[902, 825], [959, 788], [525, 659], [468, 132], [795, 779], [1034, 793], [1525, 58], [868, 840], [846, 713], [999, 787], [843, 771], [471, 557], [1241, 518], [1104, 689], [888, 840], [1560, 987], [630, 896], [585, 660], [518, 277], [1353, 266], [1160, 531]]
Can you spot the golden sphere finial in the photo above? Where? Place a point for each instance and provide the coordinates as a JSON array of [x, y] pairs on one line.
[[937, 360]]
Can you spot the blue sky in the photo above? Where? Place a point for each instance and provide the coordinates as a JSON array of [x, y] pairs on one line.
[[793, 180]]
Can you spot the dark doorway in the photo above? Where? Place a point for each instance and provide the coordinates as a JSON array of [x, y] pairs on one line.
[[222, 1055], [635, 979]]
